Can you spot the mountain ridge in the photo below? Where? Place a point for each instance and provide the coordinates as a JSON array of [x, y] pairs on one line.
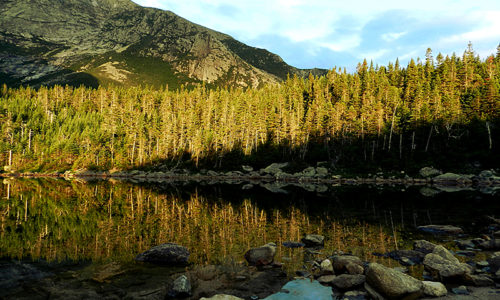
[[120, 42]]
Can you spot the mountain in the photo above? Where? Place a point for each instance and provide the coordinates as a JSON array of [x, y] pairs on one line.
[[118, 42]]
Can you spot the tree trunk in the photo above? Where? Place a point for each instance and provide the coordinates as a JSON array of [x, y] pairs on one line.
[[489, 134], [429, 139]]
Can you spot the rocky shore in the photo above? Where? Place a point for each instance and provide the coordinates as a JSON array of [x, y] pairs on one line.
[[274, 177]]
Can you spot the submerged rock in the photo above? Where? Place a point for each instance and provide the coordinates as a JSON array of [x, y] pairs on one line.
[[391, 283], [165, 254], [303, 289], [181, 288], [440, 229], [261, 256]]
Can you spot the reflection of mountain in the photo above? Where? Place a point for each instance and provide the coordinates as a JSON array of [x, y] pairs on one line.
[[119, 42]]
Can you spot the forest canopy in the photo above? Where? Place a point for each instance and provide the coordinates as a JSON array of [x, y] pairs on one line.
[[398, 115]]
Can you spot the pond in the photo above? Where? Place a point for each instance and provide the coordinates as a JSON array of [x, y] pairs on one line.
[[87, 224]]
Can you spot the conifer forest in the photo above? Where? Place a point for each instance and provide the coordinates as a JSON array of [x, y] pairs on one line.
[[441, 110]]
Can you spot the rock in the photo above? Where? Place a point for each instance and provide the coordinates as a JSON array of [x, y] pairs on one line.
[[444, 253], [326, 279], [486, 174], [291, 244], [309, 172], [461, 290], [348, 282], [429, 172], [261, 256], [326, 267], [212, 173], [354, 269], [313, 240], [452, 178], [423, 246], [490, 245], [355, 295], [222, 297], [165, 254], [482, 264], [247, 168], [321, 172], [181, 288], [443, 269], [407, 257], [16, 273], [107, 271], [494, 262], [480, 280], [434, 289], [465, 244], [247, 187], [392, 284], [340, 262], [373, 293], [429, 192], [274, 168], [441, 229]]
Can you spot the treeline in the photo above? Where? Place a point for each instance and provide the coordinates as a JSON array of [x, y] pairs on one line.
[[380, 116]]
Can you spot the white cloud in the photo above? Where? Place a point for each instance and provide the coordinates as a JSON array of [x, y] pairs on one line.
[[392, 36]]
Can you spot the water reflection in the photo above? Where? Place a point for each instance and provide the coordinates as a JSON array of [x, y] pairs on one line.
[[58, 220]]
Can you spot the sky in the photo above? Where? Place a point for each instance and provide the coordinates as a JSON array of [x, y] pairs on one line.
[[332, 33]]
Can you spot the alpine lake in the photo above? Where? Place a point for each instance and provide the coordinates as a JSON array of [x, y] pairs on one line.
[[78, 239]]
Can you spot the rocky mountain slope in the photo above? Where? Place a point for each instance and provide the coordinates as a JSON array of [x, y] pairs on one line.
[[118, 42]]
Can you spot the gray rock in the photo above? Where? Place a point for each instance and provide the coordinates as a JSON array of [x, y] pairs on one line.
[[355, 295], [321, 172], [482, 264], [274, 168], [480, 280], [440, 229], [165, 254], [326, 267], [490, 245], [354, 268], [429, 172], [247, 168], [181, 288], [213, 173], [373, 293], [452, 178], [494, 262], [309, 172], [341, 262], [423, 246], [443, 269], [261, 256], [486, 174], [434, 289], [313, 240], [461, 290], [444, 253], [392, 284], [291, 244], [348, 282], [326, 279], [465, 244]]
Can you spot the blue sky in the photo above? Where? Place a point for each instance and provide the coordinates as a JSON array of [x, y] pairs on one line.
[[328, 33]]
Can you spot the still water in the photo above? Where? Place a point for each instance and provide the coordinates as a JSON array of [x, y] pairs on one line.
[[109, 221]]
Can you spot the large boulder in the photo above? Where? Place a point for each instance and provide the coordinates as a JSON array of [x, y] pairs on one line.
[[261, 256], [341, 263], [423, 246], [440, 229], [165, 254], [434, 289], [391, 283], [347, 282], [313, 240], [444, 266], [326, 267], [429, 172]]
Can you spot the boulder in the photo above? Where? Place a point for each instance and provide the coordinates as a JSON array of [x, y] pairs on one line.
[[347, 282], [321, 172], [274, 168], [444, 269], [444, 253], [247, 168], [309, 172], [423, 246], [326, 267], [181, 288], [440, 229], [326, 279], [340, 262], [355, 295], [434, 289], [429, 172], [313, 240], [461, 290], [353, 269], [391, 283], [261, 256], [165, 254], [480, 280]]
